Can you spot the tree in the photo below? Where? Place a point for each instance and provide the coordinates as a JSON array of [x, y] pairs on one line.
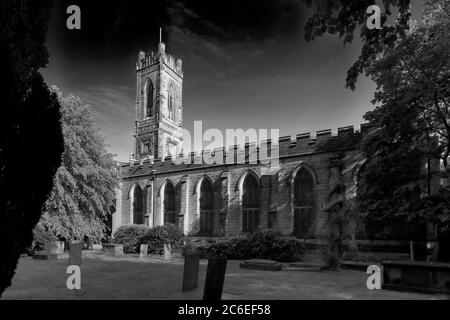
[[30, 133], [84, 186], [343, 17], [413, 125]]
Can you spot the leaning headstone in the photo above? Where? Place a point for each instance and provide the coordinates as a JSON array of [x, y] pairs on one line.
[[143, 250], [167, 251], [75, 253], [215, 276], [190, 274]]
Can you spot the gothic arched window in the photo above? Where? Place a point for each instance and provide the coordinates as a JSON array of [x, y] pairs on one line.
[[170, 214], [149, 91], [250, 204], [171, 103], [304, 203], [206, 207], [138, 212]]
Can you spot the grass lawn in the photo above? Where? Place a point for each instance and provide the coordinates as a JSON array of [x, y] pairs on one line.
[[129, 277]]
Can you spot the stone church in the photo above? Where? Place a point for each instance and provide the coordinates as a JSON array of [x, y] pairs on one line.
[[212, 200]]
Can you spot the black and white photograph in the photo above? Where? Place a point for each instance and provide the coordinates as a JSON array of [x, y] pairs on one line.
[[224, 154]]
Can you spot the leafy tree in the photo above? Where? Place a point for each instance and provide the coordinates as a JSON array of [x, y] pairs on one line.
[[413, 125], [30, 133], [344, 17], [84, 187]]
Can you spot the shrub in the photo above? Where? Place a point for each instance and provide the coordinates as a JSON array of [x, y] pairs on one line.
[[41, 236], [155, 238], [129, 236], [263, 244]]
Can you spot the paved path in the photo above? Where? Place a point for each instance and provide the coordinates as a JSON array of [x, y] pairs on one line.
[[129, 277]]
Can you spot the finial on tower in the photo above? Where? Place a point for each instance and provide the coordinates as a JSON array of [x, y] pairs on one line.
[[161, 45]]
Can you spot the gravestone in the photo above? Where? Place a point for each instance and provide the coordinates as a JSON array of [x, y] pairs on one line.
[[261, 264], [114, 249], [54, 250], [143, 250], [75, 253], [420, 276], [215, 276], [167, 251], [190, 274]]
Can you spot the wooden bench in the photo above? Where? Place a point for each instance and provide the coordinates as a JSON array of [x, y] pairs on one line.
[[429, 277]]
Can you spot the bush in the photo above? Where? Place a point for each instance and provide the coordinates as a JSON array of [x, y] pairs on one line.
[[263, 244], [41, 236], [129, 236], [155, 238]]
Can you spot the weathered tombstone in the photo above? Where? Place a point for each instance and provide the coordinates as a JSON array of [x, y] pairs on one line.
[[114, 249], [75, 253], [143, 250], [215, 276], [167, 251], [55, 247], [118, 250], [190, 274], [261, 264]]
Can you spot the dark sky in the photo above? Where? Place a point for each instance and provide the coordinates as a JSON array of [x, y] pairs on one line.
[[246, 64]]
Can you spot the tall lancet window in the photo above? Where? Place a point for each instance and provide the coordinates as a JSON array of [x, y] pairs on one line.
[[304, 208], [206, 207], [138, 212], [170, 214], [250, 204], [149, 99], [171, 103]]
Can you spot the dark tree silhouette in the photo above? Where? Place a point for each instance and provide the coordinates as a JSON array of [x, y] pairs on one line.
[[31, 141]]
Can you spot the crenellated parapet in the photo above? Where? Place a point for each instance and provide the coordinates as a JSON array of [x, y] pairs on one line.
[[345, 138], [148, 59]]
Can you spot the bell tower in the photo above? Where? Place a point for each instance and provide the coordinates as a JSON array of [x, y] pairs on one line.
[[159, 110]]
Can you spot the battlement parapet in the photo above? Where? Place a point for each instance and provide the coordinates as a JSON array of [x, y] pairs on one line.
[[322, 141], [147, 59]]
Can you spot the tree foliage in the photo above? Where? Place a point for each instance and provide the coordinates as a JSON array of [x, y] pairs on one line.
[[412, 120], [30, 133], [84, 187], [344, 17]]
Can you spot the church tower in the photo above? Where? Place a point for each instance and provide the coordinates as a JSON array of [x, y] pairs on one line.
[[159, 111]]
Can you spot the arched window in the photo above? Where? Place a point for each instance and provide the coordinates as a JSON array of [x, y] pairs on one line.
[[170, 214], [149, 90], [250, 204], [138, 212], [304, 203], [206, 207], [171, 103]]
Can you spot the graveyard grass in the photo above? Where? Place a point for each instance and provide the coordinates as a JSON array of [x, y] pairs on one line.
[[130, 277]]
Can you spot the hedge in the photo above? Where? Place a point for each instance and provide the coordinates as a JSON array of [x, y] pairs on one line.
[[263, 244], [157, 236], [129, 235]]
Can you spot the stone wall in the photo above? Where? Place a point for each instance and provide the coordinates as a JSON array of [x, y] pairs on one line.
[[276, 184]]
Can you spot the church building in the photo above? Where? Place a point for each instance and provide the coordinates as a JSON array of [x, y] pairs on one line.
[[213, 200]]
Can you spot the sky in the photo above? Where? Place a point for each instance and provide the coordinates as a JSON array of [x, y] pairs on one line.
[[246, 65]]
